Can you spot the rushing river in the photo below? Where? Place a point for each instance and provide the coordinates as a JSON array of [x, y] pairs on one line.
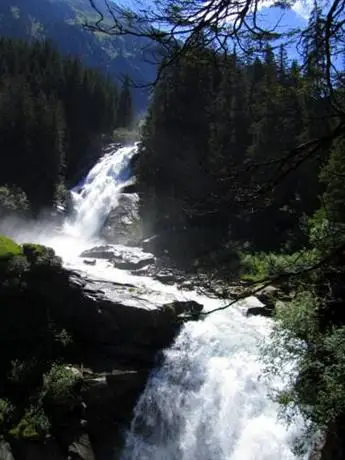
[[208, 400]]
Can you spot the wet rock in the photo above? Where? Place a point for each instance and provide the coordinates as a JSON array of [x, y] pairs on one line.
[[5, 451], [132, 188], [113, 395], [166, 278], [260, 311], [122, 226], [269, 295], [133, 264], [89, 262], [110, 400], [81, 448], [116, 320], [99, 252], [188, 306], [123, 257], [150, 244]]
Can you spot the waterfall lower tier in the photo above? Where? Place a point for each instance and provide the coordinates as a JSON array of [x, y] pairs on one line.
[[209, 400]]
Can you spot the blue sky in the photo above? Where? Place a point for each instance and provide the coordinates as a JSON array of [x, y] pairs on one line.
[[285, 20], [281, 20]]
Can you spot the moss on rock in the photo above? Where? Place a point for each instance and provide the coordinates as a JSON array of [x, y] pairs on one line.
[[8, 248]]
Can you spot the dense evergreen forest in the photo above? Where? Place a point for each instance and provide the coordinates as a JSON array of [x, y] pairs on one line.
[[54, 117], [242, 168], [61, 22], [214, 130]]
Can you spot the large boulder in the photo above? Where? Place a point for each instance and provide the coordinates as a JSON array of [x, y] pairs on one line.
[[122, 226], [123, 257], [113, 323], [110, 400], [185, 307], [268, 296], [115, 320]]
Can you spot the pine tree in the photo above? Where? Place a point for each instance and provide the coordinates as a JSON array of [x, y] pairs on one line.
[[125, 111], [333, 177], [53, 116], [210, 120]]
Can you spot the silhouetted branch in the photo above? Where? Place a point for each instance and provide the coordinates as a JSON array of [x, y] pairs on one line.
[[262, 284]]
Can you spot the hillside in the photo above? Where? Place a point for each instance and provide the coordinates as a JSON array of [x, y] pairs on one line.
[[61, 22]]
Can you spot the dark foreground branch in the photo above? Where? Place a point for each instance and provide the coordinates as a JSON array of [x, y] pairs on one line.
[[262, 284]]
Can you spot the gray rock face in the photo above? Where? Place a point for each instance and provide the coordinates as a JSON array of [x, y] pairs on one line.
[[117, 321], [122, 225], [116, 324]]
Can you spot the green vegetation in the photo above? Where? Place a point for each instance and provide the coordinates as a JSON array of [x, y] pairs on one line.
[[210, 145], [37, 388], [318, 391], [54, 116], [228, 164], [8, 248], [262, 266], [13, 200]]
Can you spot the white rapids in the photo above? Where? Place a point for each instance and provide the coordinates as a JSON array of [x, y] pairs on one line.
[[99, 194], [208, 400]]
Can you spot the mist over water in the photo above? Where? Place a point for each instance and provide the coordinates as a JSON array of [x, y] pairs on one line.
[[208, 400]]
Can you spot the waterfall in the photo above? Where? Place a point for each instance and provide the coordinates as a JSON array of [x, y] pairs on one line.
[[208, 401], [99, 193]]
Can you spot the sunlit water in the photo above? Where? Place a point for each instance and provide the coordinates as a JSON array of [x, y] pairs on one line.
[[208, 400], [99, 193]]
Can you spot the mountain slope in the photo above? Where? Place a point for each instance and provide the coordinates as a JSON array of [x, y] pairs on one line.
[[61, 22]]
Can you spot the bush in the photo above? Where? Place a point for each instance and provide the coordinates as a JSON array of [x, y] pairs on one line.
[[33, 425], [325, 234], [13, 200], [59, 384], [317, 387], [262, 266]]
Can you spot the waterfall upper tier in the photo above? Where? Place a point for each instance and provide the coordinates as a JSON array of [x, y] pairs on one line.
[[96, 196]]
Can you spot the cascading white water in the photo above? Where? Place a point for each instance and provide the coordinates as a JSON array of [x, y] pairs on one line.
[[99, 193], [209, 401]]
